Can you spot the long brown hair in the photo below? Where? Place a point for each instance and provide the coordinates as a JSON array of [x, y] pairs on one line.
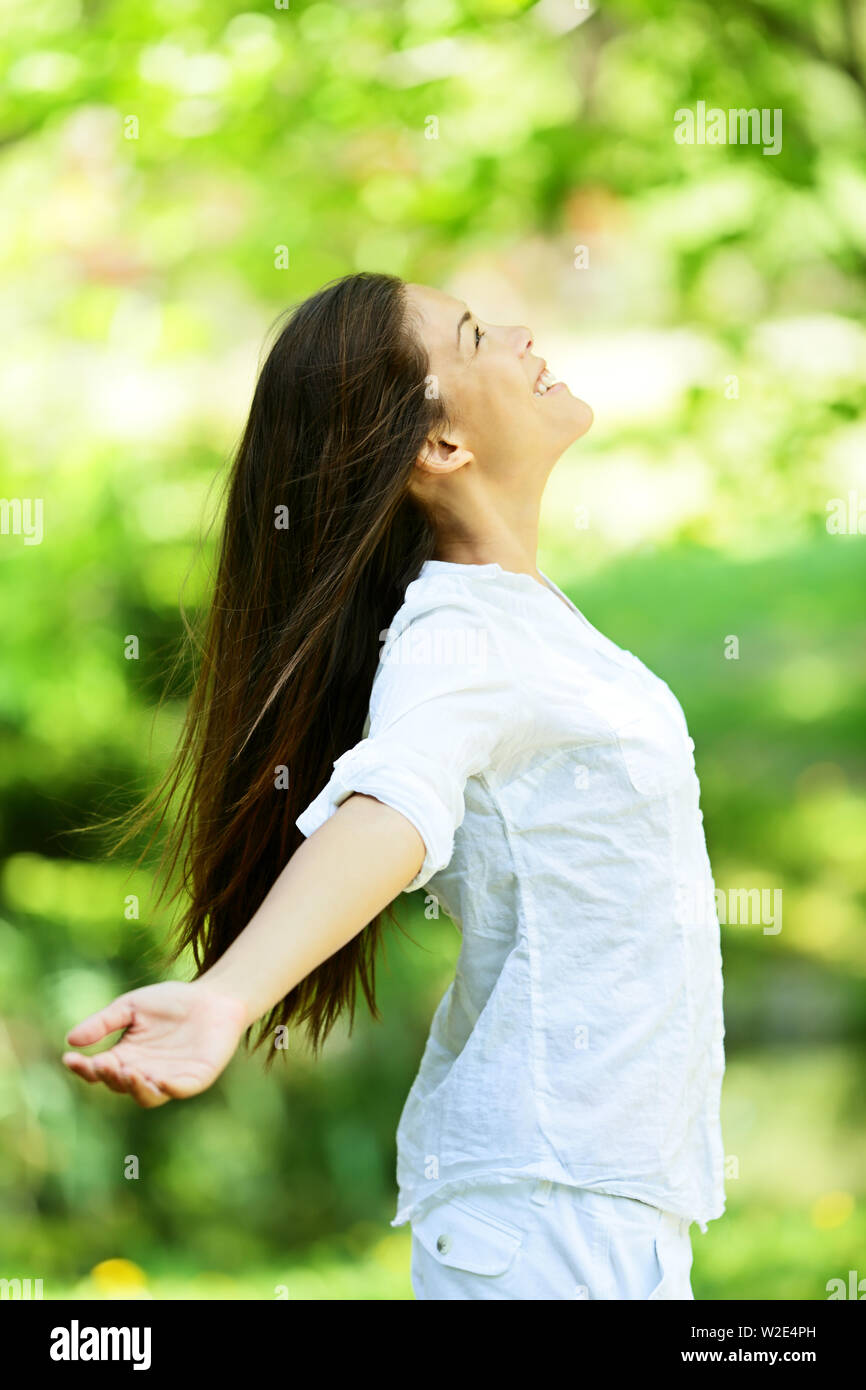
[[319, 540]]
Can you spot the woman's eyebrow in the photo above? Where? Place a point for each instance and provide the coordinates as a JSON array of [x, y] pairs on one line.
[[466, 316]]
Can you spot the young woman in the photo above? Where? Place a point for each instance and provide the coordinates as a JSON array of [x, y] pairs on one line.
[[393, 696]]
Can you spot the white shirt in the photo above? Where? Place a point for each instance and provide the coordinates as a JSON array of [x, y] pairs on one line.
[[551, 778]]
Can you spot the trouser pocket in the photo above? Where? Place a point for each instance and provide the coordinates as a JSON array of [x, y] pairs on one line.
[[470, 1233], [673, 1253], [647, 1253]]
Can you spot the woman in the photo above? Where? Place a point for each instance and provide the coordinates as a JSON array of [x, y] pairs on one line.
[[536, 780]]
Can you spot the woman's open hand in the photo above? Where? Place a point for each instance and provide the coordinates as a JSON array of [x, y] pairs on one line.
[[178, 1039]]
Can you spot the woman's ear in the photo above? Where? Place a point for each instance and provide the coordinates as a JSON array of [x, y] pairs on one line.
[[440, 456]]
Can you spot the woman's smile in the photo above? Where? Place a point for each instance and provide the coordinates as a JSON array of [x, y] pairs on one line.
[[546, 383]]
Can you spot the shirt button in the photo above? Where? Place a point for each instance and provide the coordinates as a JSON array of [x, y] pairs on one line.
[[443, 1244]]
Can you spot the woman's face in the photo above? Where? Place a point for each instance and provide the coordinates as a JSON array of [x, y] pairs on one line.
[[493, 385]]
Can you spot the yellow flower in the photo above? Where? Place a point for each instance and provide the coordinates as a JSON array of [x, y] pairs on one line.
[[118, 1275], [832, 1210]]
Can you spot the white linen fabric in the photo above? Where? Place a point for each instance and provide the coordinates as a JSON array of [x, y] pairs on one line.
[[550, 776]]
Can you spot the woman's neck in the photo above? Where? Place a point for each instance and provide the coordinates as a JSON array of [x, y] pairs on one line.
[[514, 549]]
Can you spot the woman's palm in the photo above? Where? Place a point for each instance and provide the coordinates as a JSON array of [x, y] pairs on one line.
[[178, 1039]]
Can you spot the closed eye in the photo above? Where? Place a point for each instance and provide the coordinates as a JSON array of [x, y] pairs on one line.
[[478, 336]]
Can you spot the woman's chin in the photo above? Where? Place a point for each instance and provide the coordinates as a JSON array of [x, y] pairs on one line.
[[582, 417]]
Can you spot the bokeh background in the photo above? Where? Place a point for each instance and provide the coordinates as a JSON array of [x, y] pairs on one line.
[[174, 173]]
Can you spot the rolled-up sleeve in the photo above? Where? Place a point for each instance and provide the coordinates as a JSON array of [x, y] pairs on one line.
[[443, 705]]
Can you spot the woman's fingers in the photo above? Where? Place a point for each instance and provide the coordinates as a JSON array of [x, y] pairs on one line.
[[89, 1068], [81, 1065], [117, 1015], [106, 1069], [109, 1070], [146, 1092]]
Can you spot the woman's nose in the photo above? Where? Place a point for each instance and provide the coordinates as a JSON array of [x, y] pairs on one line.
[[524, 339]]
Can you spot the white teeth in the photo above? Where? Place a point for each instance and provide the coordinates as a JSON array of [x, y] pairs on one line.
[[546, 380]]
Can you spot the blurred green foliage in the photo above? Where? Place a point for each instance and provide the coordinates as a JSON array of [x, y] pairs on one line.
[[155, 160]]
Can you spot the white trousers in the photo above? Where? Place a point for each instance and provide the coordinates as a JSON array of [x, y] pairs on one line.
[[534, 1239]]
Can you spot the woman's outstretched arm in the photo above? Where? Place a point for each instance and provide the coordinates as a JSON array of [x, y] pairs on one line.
[[334, 884], [179, 1037]]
